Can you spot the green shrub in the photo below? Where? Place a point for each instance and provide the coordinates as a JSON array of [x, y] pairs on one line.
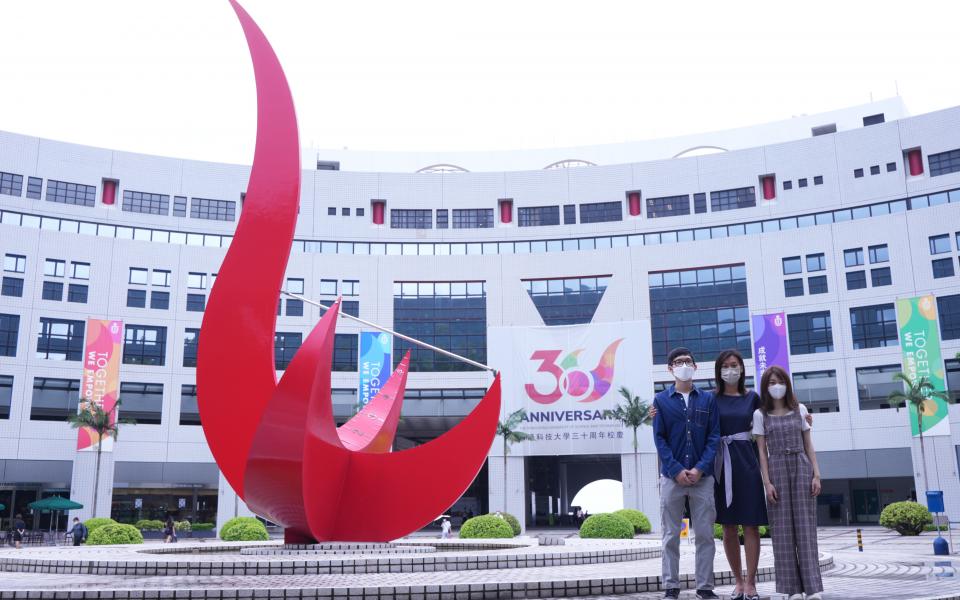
[[511, 520], [907, 518], [486, 526], [607, 526], [95, 523], [718, 531], [203, 526], [640, 522], [149, 525], [183, 526], [244, 529], [115, 534]]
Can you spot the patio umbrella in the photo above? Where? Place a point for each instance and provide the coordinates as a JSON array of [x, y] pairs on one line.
[[2, 506], [53, 504]]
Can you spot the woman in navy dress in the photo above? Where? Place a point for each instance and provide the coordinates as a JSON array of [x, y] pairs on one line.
[[738, 491]]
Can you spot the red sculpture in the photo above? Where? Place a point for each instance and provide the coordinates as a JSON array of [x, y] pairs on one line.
[[277, 444]]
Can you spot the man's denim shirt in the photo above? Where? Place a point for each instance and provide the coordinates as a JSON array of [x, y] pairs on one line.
[[686, 438]]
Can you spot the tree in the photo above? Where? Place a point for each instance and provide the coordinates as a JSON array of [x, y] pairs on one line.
[[917, 393], [633, 413], [507, 429], [104, 424]]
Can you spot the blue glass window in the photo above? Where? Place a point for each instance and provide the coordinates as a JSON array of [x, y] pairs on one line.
[[567, 301], [448, 314], [810, 333], [874, 326]]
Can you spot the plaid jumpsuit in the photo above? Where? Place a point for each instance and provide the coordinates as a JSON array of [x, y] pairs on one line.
[[793, 518]]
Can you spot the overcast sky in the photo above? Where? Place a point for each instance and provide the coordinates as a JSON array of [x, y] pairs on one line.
[[173, 77]]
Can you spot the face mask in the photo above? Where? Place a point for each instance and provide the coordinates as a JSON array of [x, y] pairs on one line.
[[730, 375], [684, 373], [778, 391]]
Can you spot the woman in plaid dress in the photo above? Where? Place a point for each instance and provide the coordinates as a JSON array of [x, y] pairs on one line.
[[791, 476]]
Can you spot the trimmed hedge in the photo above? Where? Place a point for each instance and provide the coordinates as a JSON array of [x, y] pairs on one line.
[[203, 526], [511, 520], [95, 523], [149, 525], [115, 534], [183, 526], [718, 531], [244, 529], [607, 526], [640, 522], [907, 518], [486, 526]]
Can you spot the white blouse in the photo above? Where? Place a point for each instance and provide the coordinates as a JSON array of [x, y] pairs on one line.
[[758, 420]]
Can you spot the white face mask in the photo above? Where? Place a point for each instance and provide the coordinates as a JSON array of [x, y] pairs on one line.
[[730, 374], [684, 373], [778, 391]]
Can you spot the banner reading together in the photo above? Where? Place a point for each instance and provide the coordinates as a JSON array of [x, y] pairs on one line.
[[770, 343], [920, 344], [376, 351], [101, 377]]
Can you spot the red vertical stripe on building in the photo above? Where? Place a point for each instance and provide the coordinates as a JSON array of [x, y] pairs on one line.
[[769, 187], [915, 161], [109, 192], [378, 212], [633, 199], [506, 210]]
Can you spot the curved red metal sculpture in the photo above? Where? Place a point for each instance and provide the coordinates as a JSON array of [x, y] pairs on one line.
[[277, 444]]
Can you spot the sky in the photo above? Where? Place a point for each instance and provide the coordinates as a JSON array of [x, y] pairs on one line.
[[173, 77]]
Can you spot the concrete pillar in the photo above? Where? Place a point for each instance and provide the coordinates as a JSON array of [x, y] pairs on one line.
[[229, 505], [82, 482], [941, 469], [640, 491], [515, 490]]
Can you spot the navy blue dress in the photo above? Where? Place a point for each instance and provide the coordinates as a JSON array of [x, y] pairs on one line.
[[749, 505]]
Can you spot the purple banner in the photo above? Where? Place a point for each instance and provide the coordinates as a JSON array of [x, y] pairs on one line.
[[770, 343]]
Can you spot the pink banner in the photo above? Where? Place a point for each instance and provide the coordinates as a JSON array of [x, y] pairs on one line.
[[101, 377]]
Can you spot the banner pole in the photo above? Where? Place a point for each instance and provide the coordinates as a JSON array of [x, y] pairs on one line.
[[392, 332]]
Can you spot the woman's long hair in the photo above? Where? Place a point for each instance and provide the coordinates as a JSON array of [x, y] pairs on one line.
[[718, 380], [766, 400]]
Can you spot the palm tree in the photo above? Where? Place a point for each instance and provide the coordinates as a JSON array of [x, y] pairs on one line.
[[917, 393], [633, 413], [104, 424], [507, 429]]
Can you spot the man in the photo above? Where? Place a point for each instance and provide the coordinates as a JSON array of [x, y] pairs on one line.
[[686, 431], [19, 531], [78, 531]]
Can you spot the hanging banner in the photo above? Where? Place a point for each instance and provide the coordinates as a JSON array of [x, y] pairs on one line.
[[101, 377], [376, 350], [920, 344], [770, 343], [567, 379]]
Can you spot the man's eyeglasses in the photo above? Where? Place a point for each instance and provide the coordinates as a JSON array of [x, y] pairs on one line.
[[682, 362]]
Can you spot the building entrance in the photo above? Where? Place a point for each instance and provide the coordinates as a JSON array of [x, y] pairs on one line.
[[553, 482]]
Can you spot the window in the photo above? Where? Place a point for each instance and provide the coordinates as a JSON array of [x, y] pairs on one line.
[[568, 301], [189, 409], [952, 368], [136, 298], [77, 293], [359, 211], [285, 345], [891, 167], [817, 285], [213, 210], [346, 351], [12, 286], [143, 202], [856, 280], [294, 307], [874, 326], [792, 265], [569, 214], [345, 211], [197, 281], [472, 218], [142, 402], [733, 199], [144, 345], [705, 310], [699, 203], [138, 276], [939, 244], [11, 184], [818, 180], [874, 385], [942, 267], [57, 268], [853, 257], [816, 262], [6, 395], [52, 290], [179, 206], [9, 331], [802, 182], [944, 162], [448, 314], [159, 300], [668, 206], [34, 185], [873, 119], [328, 287], [71, 193], [601, 212], [54, 399], [858, 173], [190, 339], [443, 218], [787, 184], [14, 263], [409, 218], [810, 333], [881, 277], [538, 216], [350, 307], [879, 254], [792, 288], [875, 169], [331, 211], [196, 302], [160, 278], [817, 390], [948, 307], [80, 270], [60, 339], [350, 287]]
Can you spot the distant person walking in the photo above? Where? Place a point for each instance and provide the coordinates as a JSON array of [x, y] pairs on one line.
[[445, 528], [78, 531], [791, 477], [170, 531], [19, 531]]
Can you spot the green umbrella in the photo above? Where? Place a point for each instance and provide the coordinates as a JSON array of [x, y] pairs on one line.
[[55, 503], [2, 506]]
